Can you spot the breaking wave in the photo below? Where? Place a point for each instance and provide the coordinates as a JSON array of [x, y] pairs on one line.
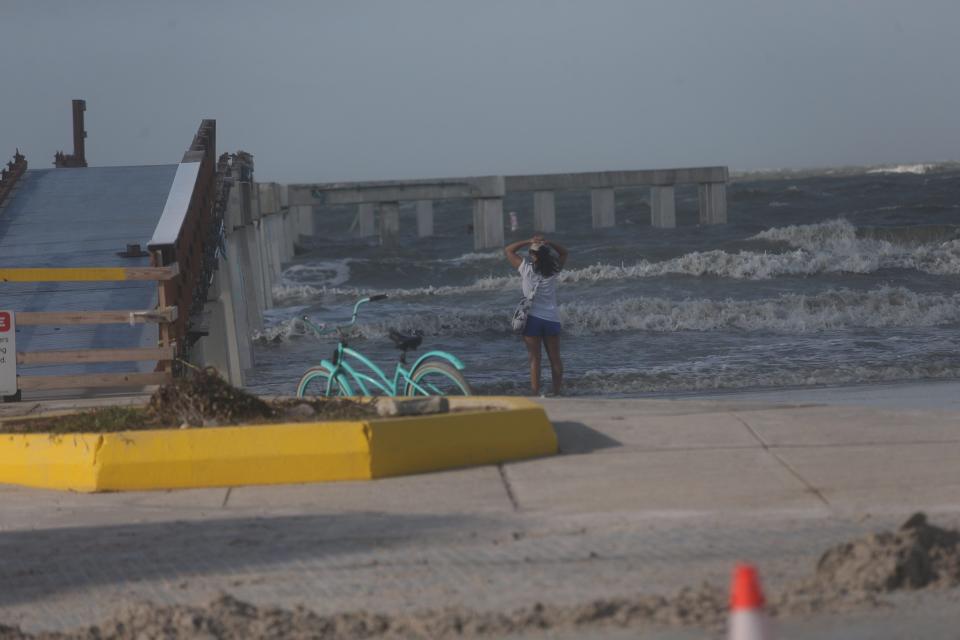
[[835, 246], [917, 169], [829, 247], [475, 257], [789, 313], [321, 274]]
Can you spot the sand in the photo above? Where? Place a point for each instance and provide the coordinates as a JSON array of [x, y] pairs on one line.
[[850, 576]]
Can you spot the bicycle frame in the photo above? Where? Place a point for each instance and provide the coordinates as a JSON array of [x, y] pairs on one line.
[[364, 381]]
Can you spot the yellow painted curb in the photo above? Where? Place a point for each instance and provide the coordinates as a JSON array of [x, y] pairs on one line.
[[280, 453]]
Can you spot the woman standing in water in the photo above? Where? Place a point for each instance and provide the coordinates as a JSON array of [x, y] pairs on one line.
[[539, 268]]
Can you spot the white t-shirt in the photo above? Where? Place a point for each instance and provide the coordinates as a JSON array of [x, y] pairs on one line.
[[545, 302]]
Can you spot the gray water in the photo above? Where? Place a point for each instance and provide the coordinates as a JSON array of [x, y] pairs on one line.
[[814, 281]]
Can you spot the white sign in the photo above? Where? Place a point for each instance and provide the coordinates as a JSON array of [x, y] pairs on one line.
[[8, 354]]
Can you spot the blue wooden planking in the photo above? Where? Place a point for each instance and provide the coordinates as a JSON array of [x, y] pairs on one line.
[[82, 218]]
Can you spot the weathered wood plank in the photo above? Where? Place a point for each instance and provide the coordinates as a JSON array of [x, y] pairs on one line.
[[153, 273], [27, 318], [91, 381], [95, 355]]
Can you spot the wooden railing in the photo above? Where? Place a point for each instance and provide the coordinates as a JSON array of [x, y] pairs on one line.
[[182, 232], [163, 316]]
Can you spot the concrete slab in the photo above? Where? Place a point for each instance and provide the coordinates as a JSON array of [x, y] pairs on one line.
[[580, 407], [25, 508], [851, 425], [696, 431], [631, 481], [902, 476], [465, 491]]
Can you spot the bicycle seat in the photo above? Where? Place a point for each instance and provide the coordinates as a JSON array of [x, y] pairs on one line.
[[403, 341]]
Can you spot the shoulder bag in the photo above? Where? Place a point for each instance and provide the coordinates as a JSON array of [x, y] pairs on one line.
[[519, 320]]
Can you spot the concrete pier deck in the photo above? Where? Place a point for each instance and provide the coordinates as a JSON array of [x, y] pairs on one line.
[[649, 496]]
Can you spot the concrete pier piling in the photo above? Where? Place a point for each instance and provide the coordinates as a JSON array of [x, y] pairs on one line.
[[389, 223], [366, 220], [487, 223], [424, 218], [602, 208], [713, 203], [487, 193], [544, 212], [251, 255], [306, 225], [662, 207]]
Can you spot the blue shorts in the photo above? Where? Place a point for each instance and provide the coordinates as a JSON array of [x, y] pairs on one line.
[[540, 328]]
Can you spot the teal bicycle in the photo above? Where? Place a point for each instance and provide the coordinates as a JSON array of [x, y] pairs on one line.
[[435, 373]]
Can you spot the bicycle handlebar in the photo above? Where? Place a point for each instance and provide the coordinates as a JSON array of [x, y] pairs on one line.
[[353, 319]]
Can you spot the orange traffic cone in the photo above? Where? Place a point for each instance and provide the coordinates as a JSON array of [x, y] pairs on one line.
[[747, 620]]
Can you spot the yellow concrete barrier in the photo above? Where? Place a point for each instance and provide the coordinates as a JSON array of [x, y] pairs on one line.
[[281, 453]]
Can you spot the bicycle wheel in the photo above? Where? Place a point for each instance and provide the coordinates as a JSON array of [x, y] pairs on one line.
[[438, 378], [314, 383]]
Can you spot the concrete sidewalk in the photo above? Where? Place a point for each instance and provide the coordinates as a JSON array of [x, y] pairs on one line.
[[649, 495]]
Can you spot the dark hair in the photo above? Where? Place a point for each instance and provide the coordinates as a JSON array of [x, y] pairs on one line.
[[545, 264]]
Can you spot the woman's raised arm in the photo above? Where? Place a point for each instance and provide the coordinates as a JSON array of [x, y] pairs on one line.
[[511, 251]]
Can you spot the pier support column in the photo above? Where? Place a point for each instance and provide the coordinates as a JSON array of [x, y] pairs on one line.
[[289, 235], [305, 223], [663, 211], [487, 223], [239, 302], [389, 223], [264, 247], [364, 223], [544, 212], [254, 294], [713, 203], [602, 208], [424, 218]]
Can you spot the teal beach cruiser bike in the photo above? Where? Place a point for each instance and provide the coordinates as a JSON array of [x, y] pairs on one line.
[[435, 373]]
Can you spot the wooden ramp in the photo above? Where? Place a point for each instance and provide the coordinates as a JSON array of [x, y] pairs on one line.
[[84, 309]]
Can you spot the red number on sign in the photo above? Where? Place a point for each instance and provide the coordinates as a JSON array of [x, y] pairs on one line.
[[4, 321]]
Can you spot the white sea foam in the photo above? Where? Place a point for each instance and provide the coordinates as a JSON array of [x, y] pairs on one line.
[[904, 168], [827, 247], [475, 257], [789, 314], [281, 331], [835, 246], [323, 274]]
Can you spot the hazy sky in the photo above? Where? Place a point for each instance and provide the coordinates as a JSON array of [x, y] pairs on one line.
[[354, 90]]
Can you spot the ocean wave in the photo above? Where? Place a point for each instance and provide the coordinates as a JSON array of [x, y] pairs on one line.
[[474, 257], [828, 247], [281, 331], [319, 274], [789, 313], [837, 245], [832, 234], [856, 170], [917, 169]]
